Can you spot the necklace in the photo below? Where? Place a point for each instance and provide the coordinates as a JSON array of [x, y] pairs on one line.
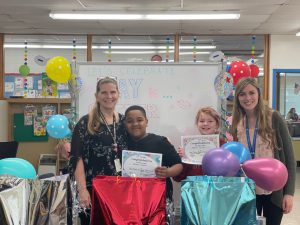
[[112, 133]]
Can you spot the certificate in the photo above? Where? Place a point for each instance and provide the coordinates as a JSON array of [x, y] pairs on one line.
[[196, 146], [140, 164]]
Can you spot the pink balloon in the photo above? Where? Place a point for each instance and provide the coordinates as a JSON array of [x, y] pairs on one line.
[[268, 173]]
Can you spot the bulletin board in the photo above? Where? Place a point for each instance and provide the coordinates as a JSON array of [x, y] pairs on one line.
[[16, 85], [24, 133], [171, 93]]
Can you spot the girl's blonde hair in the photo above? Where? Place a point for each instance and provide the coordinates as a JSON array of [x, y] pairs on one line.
[[94, 118], [262, 111], [210, 111]]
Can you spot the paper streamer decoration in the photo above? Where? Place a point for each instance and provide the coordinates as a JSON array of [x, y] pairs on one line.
[[253, 42], [168, 49], [109, 51], [24, 70], [194, 49]]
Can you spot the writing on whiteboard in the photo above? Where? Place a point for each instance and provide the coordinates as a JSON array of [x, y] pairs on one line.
[[129, 88]]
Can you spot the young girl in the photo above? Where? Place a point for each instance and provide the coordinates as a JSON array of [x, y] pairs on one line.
[[208, 122], [139, 140]]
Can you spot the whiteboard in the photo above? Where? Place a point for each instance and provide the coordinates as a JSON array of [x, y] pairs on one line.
[[171, 93]]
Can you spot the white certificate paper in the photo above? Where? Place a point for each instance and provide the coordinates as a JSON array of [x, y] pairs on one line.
[[140, 164], [196, 146]]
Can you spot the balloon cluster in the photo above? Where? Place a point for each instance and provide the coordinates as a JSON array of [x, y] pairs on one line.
[[233, 156], [58, 126], [17, 167], [240, 69]]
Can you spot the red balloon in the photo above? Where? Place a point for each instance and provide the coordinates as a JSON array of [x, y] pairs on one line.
[[268, 173], [238, 70], [254, 70]]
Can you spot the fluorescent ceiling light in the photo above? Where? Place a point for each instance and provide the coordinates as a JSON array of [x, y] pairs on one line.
[[298, 34], [94, 16], [154, 52], [135, 52], [152, 47], [125, 47], [196, 53], [168, 15], [44, 46], [192, 16]]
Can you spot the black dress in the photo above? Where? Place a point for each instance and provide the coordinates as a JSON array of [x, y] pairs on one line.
[[158, 144], [96, 150]]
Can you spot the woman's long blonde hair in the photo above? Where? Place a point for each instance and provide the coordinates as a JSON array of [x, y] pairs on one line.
[[262, 110], [94, 118]]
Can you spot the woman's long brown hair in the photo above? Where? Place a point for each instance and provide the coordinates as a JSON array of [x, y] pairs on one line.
[[262, 110]]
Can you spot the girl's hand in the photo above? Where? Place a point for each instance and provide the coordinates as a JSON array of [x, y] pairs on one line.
[[161, 171], [84, 198], [181, 152]]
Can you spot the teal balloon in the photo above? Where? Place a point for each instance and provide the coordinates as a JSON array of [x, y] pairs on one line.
[[17, 167], [58, 126], [240, 151], [24, 70]]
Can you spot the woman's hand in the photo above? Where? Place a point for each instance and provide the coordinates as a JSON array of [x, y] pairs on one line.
[[181, 152], [287, 204], [84, 198], [64, 148]]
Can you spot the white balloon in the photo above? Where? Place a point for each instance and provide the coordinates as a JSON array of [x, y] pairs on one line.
[[40, 60], [216, 56]]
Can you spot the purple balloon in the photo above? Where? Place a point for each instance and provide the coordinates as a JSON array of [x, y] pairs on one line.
[[268, 173], [220, 162]]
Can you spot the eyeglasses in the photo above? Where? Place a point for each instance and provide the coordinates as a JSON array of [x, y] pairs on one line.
[[107, 78]]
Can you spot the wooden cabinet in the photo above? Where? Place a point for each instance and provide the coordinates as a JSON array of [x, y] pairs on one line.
[[31, 151], [296, 146]]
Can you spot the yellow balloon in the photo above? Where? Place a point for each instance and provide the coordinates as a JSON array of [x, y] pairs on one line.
[[58, 69]]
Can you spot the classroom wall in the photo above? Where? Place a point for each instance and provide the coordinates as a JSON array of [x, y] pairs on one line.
[[31, 151], [14, 58], [3, 116], [284, 54]]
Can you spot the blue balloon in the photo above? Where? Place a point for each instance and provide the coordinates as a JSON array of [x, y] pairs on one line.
[[241, 152], [17, 167], [58, 126]]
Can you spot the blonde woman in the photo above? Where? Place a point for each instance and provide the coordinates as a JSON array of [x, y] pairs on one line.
[[97, 141]]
